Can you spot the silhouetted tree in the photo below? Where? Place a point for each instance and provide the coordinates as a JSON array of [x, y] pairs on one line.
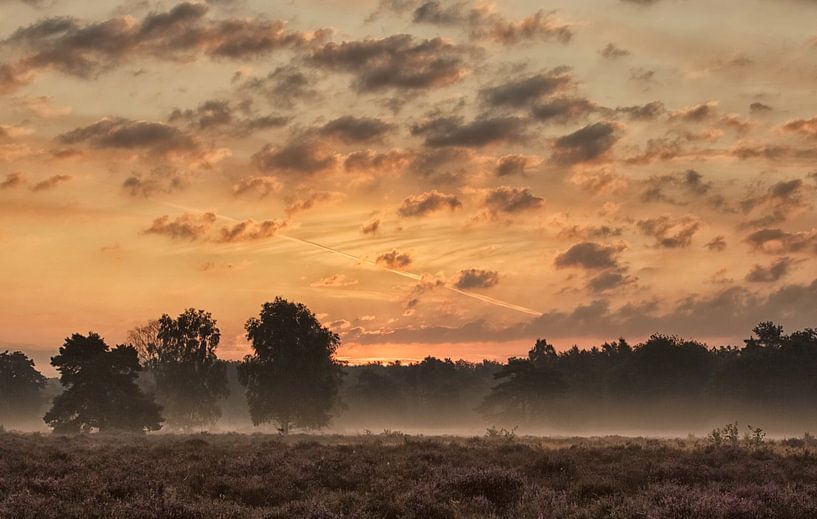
[[144, 339], [528, 386], [100, 389], [20, 386], [190, 379], [292, 377]]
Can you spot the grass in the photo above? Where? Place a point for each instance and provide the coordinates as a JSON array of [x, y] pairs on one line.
[[393, 475]]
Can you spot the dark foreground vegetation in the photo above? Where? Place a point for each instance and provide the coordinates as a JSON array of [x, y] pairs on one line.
[[391, 475]]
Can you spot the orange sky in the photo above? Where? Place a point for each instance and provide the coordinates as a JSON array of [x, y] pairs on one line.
[[429, 177]]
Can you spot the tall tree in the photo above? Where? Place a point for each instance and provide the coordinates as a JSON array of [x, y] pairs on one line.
[[190, 379], [527, 386], [292, 377], [144, 338], [100, 389], [20, 387]]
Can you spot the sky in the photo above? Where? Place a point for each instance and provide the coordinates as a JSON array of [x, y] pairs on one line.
[[430, 178]]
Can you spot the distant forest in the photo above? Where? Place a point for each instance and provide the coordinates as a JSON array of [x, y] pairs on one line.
[[168, 376]]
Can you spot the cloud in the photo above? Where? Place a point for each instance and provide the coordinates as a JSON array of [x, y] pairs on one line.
[[585, 145], [305, 157], [590, 256], [757, 108], [644, 112], [454, 131], [777, 203], [523, 92], [312, 200], [778, 241], [250, 230], [394, 260], [188, 226], [510, 200], [476, 278], [353, 130], [590, 232], [285, 86], [716, 244], [668, 232], [12, 181], [369, 161], [334, 281], [613, 51], [180, 34], [120, 133], [696, 113], [690, 182], [395, 62], [770, 273], [806, 127], [370, 227], [513, 165], [562, 110], [428, 203], [50, 182], [610, 280], [262, 186], [158, 180], [442, 165]]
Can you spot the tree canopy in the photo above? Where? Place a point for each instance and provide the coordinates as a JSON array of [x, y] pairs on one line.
[[292, 377], [190, 379], [20, 386], [100, 393]]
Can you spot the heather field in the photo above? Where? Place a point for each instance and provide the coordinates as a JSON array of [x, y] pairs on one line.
[[394, 475]]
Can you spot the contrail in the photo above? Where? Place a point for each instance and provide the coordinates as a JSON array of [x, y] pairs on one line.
[[409, 275]]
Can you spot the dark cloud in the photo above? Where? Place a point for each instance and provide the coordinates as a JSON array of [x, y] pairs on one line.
[[523, 92], [670, 232], [370, 227], [394, 260], [219, 114], [476, 278], [312, 200], [778, 202], [590, 232], [428, 203], [486, 25], [696, 113], [590, 256], [563, 110], [669, 188], [777, 241], [182, 33], [188, 226], [262, 186], [50, 182], [770, 273], [250, 230], [585, 145], [613, 51], [644, 112], [285, 86], [756, 108], [398, 62], [512, 165], [454, 131], [442, 165], [351, 130], [12, 180], [297, 157], [120, 133], [506, 199], [609, 280], [716, 244], [372, 161], [158, 180]]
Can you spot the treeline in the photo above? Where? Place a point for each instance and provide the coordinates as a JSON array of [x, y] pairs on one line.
[[168, 376]]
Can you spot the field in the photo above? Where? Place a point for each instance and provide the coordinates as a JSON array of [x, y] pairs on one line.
[[393, 475]]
